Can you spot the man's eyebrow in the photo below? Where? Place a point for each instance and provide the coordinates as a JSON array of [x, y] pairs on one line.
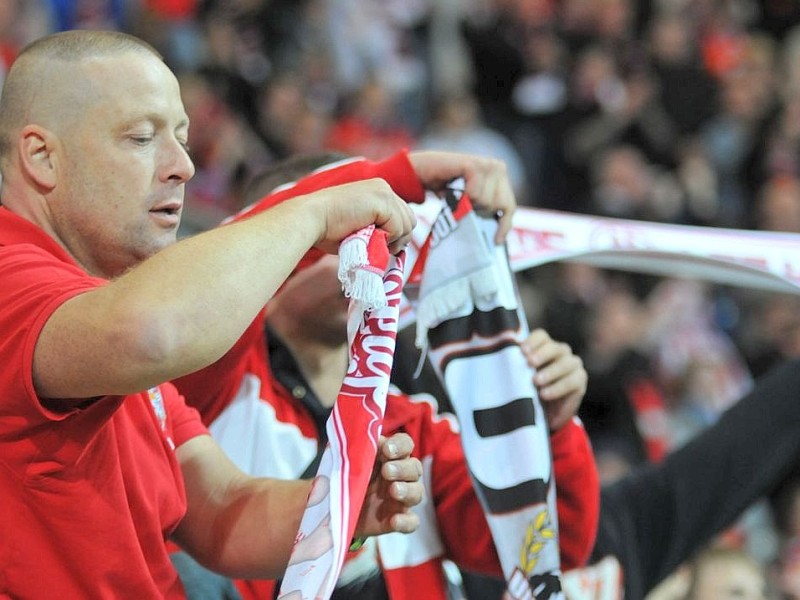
[[154, 119]]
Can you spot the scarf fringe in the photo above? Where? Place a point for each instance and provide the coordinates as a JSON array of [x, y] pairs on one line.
[[442, 302], [363, 258], [366, 287], [352, 256]]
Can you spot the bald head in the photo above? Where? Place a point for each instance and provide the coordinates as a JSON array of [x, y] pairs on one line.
[[46, 83]]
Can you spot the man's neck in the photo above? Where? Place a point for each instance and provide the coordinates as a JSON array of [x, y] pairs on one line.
[[323, 367]]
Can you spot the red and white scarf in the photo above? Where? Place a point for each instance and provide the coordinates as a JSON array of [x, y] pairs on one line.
[[373, 280]]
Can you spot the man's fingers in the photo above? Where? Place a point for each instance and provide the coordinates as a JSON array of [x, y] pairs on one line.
[[559, 379], [398, 244], [538, 338], [400, 226], [572, 384], [489, 187], [349, 207], [504, 226], [555, 363], [409, 493], [398, 445], [406, 522], [406, 469]]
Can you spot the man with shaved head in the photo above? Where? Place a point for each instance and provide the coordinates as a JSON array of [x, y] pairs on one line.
[[100, 460]]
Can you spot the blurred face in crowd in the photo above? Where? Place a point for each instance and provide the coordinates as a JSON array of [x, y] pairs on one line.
[[728, 576], [314, 302]]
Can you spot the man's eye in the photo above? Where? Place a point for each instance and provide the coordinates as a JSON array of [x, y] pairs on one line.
[[141, 140]]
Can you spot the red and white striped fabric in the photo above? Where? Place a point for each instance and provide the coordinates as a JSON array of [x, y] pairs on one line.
[[345, 471]]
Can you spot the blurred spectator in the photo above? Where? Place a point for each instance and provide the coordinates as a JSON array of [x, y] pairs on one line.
[[777, 17], [174, 28], [254, 39], [780, 154], [539, 101], [90, 14], [698, 183], [716, 573], [368, 127], [281, 103], [625, 108], [769, 330], [622, 409], [732, 137], [626, 186], [10, 39], [697, 364], [384, 42], [457, 127], [786, 507], [778, 205], [571, 299], [686, 90], [224, 150]]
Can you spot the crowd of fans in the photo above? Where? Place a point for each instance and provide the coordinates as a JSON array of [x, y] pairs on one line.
[[677, 111]]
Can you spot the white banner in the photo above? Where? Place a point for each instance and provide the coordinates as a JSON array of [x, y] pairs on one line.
[[757, 259]]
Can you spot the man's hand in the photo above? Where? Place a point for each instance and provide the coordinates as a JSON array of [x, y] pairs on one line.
[[344, 209], [396, 486], [487, 182], [560, 377]]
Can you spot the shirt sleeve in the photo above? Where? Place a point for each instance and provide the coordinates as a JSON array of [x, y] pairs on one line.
[[657, 517], [577, 493], [396, 170], [185, 420], [34, 285]]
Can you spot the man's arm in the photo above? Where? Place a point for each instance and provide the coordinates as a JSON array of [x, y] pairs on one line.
[[185, 307], [245, 527], [560, 381], [410, 174], [655, 518]]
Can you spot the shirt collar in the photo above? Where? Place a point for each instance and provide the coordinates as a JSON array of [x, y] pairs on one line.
[[15, 229]]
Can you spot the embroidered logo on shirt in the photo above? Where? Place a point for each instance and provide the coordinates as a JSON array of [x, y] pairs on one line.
[[157, 402]]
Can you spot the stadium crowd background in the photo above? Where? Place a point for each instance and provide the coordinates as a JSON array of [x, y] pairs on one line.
[[677, 111]]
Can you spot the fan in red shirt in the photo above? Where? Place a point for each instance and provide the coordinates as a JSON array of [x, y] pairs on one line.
[[266, 402]]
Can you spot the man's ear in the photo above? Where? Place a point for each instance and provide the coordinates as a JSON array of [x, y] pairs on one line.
[[37, 158]]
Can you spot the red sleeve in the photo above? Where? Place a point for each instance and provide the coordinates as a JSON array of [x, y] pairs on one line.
[[577, 493], [396, 170], [184, 419]]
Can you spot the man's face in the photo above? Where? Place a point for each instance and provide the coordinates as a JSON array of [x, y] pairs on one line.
[[123, 165], [730, 580], [318, 305]]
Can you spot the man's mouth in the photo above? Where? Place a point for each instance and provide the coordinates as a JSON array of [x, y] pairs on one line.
[[168, 214]]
